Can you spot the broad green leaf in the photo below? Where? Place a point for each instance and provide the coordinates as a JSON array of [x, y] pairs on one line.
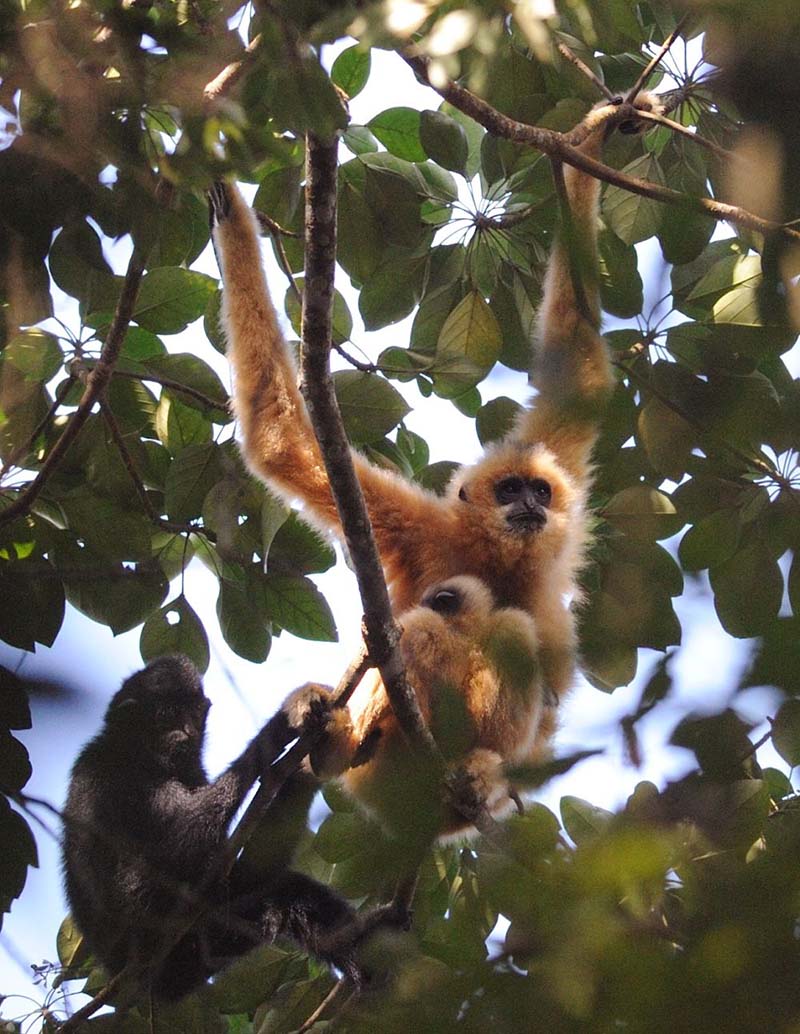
[[621, 291], [204, 389], [212, 322], [369, 404], [20, 853], [711, 541], [786, 732], [116, 532], [582, 820], [748, 588], [496, 418], [667, 437], [178, 425], [121, 597], [175, 628], [36, 354], [471, 332], [444, 140], [642, 512], [342, 320], [191, 476], [299, 549], [634, 218], [391, 292], [171, 298], [297, 605], [350, 70], [242, 624], [398, 129], [279, 193]]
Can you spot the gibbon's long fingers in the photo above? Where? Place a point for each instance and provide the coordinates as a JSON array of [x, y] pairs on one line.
[[278, 440]]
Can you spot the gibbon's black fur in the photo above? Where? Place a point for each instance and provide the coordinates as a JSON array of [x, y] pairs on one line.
[[144, 828]]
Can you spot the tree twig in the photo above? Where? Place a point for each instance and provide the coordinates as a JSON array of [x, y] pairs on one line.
[[582, 67], [563, 146], [328, 1000], [171, 385], [655, 60], [96, 384], [231, 74]]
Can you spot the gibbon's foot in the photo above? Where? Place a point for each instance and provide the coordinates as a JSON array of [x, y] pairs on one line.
[[308, 708], [477, 783], [219, 203]]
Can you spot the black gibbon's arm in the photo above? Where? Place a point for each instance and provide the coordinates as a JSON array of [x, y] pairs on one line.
[[517, 518], [143, 833]]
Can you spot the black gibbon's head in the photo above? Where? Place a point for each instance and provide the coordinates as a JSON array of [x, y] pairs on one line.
[[515, 493], [163, 709]]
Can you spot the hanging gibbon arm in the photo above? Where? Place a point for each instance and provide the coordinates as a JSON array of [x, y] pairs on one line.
[[278, 440], [571, 368]]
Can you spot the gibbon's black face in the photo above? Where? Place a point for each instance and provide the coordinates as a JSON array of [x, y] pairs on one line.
[[525, 502], [164, 704]]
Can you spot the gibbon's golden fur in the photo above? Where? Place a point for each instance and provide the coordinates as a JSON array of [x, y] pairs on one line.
[[476, 673], [517, 518]]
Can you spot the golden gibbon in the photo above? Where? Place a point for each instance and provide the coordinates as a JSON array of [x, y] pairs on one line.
[[517, 519], [476, 673]]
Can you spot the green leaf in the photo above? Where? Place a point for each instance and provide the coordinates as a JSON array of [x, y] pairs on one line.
[[107, 527], [115, 595], [398, 129], [36, 354], [212, 322], [342, 320], [191, 476], [634, 218], [472, 332], [370, 405], [391, 293], [175, 628], [178, 425], [667, 437], [297, 605], [748, 588], [171, 298], [496, 418], [621, 290], [300, 549], [711, 541], [206, 391], [18, 854], [444, 140], [242, 624], [350, 70], [279, 193], [582, 820], [786, 732], [642, 512]]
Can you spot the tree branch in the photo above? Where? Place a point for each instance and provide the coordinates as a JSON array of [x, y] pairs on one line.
[[231, 74], [96, 384], [382, 633], [564, 50], [655, 60], [563, 146]]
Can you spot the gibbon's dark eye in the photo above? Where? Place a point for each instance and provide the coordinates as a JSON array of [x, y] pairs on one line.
[[445, 601], [508, 490], [462, 494], [542, 491]]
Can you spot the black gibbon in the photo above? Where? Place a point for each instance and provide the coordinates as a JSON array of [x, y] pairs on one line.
[[517, 519], [144, 828], [476, 673]]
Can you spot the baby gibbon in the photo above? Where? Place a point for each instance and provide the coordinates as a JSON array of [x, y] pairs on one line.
[[517, 519], [476, 673]]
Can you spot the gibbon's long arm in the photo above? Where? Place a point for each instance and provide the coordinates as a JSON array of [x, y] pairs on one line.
[[279, 442], [571, 369]]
